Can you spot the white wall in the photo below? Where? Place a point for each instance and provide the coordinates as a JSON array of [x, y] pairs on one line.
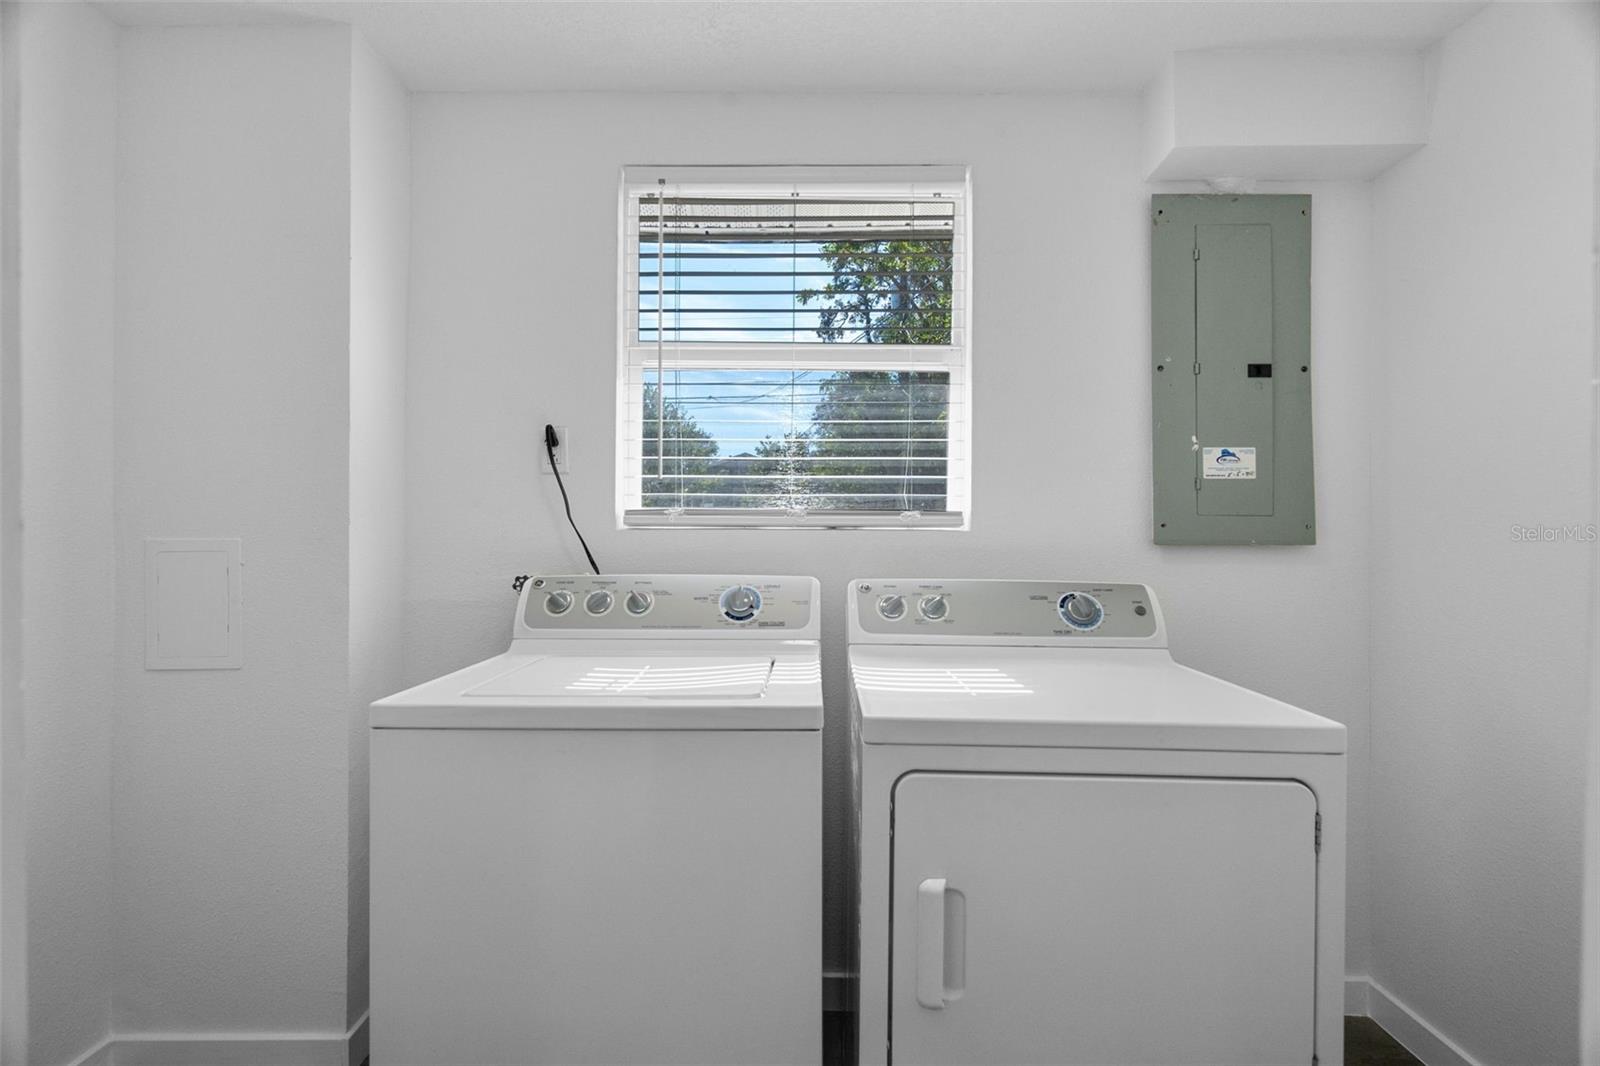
[[1590, 983], [1480, 642], [13, 794], [380, 232], [232, 418], [1283, 113], [513, 323], [67, 90]]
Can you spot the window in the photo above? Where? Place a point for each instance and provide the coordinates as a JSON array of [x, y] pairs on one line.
[[794, 346]]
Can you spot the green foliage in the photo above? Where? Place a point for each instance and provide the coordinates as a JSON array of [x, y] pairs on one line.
[[788, 471], [877, 441], [883, 423], [885, 292], [688, 452]]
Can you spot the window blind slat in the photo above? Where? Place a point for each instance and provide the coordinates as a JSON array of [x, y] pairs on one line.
[[774, 518], [837, 503], [764, 201], [837, 274]]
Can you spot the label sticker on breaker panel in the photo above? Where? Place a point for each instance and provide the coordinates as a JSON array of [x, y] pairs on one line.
[[1228, 464]]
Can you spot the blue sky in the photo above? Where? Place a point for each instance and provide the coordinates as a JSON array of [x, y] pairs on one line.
[[769, 403], [769, 275], [740, 407]]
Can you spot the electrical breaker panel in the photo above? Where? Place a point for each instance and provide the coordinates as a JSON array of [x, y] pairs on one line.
[[1230, 286]]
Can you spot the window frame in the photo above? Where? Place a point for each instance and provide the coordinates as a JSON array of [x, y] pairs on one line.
[[635, 358]]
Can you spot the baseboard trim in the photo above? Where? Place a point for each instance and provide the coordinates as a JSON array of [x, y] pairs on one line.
[[1364, 996], [357, 1042], [99, 1055], [1357, 1004], [229, 1049], [223, 1049]]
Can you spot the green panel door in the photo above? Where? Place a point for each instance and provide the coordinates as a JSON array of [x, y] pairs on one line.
[[1233, 382], [1230, 334]]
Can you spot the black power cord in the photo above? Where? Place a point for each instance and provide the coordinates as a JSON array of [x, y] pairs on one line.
[[551, 441]]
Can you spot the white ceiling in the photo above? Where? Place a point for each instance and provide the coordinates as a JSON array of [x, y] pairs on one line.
[[815, 45]]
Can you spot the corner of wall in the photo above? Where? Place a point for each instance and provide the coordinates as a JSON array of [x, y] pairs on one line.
[[1590, 977], [13, 794], [1477, 257], [380, 221], [65, 171]]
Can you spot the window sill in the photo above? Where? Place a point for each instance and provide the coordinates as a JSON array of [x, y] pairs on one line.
[[712, 518]]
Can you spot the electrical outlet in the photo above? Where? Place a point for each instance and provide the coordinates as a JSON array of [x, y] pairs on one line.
[[563, 452]]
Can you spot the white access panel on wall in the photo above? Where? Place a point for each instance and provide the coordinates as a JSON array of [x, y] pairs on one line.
[[1037, 917], [193, 604]]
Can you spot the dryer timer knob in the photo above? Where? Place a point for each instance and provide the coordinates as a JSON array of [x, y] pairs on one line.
[[1080, 610], [892, 607]]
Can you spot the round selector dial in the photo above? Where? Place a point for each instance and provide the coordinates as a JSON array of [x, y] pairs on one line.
[[740, 603], [558, 602], [1080, 610], [933, 607], [638, 602], [892, 607], [598, 602]]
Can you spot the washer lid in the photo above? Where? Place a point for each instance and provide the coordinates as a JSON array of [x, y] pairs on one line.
[[642, 676], [620, 685], [1135, 698]]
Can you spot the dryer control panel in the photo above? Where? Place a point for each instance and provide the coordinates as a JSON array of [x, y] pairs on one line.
[[979, 611], [559, 605]]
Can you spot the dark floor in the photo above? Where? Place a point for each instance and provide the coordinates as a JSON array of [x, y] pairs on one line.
[[1365, 1044]]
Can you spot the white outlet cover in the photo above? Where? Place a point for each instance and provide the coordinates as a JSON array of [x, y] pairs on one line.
[[193, 604], [563, 452]]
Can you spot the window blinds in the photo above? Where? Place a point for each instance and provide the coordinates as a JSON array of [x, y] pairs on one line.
[[794, 350]]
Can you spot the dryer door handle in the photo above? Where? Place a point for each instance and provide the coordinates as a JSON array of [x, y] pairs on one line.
[[941, 943]]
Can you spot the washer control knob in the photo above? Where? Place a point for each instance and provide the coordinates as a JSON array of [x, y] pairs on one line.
[[933, 607], [741, 603], [1080, 610], [639, 602], [892, 607], [558, 602], [598, 602]]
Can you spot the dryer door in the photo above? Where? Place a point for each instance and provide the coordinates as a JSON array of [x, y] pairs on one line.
[[1102, 920]]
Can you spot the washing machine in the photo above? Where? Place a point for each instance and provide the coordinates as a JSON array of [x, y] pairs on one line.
[[604, 845], [1072, 849]]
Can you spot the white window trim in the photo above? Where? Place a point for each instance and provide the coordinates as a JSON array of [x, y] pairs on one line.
[[634, 358]]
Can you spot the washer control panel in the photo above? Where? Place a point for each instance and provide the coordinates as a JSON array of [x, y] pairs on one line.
[[554, 604], [990, 611]]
